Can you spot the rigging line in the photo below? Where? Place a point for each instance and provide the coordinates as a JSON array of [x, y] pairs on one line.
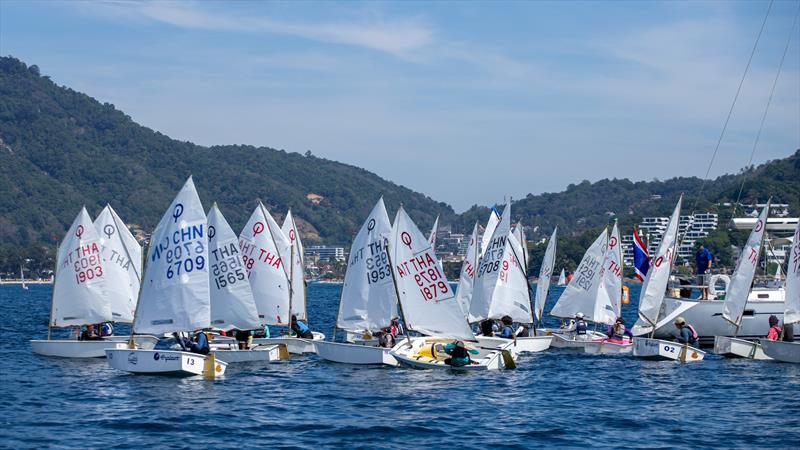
[[733, 104], [766, 109]]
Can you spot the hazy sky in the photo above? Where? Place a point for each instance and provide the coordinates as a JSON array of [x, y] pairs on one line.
[[463, 101]]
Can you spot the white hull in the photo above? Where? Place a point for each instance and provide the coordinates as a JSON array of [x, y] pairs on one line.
[[532, 344], [607, 348], [296, 346], [165, 362], [782, 351], [706, 317], [568, 339], [665, 350], [738, 348], [68, 348], [261, 353], [414, 355], [353, 353]]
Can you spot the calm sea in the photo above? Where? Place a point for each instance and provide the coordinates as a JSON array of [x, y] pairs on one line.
[[556, 399]]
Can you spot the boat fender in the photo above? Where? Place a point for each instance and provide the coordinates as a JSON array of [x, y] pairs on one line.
[[712, 283]]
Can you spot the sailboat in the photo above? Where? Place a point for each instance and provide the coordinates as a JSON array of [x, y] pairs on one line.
[[266, 250], [297, 269], [782, 350], [22, 278], [232, 302], [501, 287], [652, 297], [175, 293], [368, 301], [428, 305], [545, 274], [562, 279], [737, 292], [582, 295], [609, 305], [122, 256], [87, 291], [466, 280]]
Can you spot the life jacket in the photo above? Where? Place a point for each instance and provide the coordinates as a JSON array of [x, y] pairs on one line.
[[618, 331], [693, 336], [774, 333], [200, 344], [580, 327], [107, 330]]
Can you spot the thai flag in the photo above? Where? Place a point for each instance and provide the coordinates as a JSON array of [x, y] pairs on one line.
[[641, 259]]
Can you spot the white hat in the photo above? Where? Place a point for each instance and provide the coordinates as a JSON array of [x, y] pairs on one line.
[[579, 315]]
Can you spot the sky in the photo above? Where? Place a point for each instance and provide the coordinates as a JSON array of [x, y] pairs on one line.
[[467, 102]]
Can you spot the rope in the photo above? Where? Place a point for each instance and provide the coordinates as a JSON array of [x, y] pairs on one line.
[[766, 109], [730, 111]]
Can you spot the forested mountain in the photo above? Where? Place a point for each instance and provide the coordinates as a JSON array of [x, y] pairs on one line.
[[60, 149]]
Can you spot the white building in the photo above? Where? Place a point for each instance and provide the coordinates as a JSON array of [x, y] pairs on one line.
[[325, 253]]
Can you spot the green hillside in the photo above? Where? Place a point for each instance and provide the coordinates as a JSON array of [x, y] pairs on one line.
[[60, 149]]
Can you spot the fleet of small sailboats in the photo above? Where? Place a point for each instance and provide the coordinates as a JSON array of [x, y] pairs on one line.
[[199, 275]]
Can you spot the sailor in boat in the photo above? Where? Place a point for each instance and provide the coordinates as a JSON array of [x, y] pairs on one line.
[[774, 329], [198, 344], [90, 334], [395, 327], [507, 331], [616, 333], [300, 329], [703, 261], [106, 329], [487, 328], [244, 338], [524, 332], [386, 339], [578, 325], [686, 333], [459, 354]]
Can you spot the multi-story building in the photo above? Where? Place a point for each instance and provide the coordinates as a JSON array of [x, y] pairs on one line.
[[690, 230], [325, 253]]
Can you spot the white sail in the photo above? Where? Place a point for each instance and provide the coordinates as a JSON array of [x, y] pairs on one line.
[[489, 267], [175, 293], [581, 293], [491, 224], [519, 233], [232, 302], [562, 279], [368, 299], [79, 292], [792, 305], [609, 300], [466, 280], [742, 280], [263, 250], [778, 273], [434, 231], [511, 296], [122, 257], [428, 303], [545, 274], [297, 272], [655, 283]]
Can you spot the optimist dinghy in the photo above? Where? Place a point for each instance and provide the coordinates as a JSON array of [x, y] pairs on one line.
[[428, 305], [501, 287], [584, 297], [368, 302], [738, 291], [781, 350], [175, 293], [81, 290], [652, 296]]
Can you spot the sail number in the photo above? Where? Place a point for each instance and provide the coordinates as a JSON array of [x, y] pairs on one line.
[[430, 283], [87, 264], [377, 265], [228, 271], [185, 257]]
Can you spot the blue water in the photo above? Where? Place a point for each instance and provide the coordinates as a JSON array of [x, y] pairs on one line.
[[556, 399]]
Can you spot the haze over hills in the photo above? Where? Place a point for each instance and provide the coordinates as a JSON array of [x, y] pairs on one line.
[[60, 149]]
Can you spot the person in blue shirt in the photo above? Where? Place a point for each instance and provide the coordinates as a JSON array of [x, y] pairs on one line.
[[300, 329], [703, 260], [200, 344], [580, 325], [507, 331], [459, 355]]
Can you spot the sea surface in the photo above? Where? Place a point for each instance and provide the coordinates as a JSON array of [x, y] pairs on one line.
[[556, 399]]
